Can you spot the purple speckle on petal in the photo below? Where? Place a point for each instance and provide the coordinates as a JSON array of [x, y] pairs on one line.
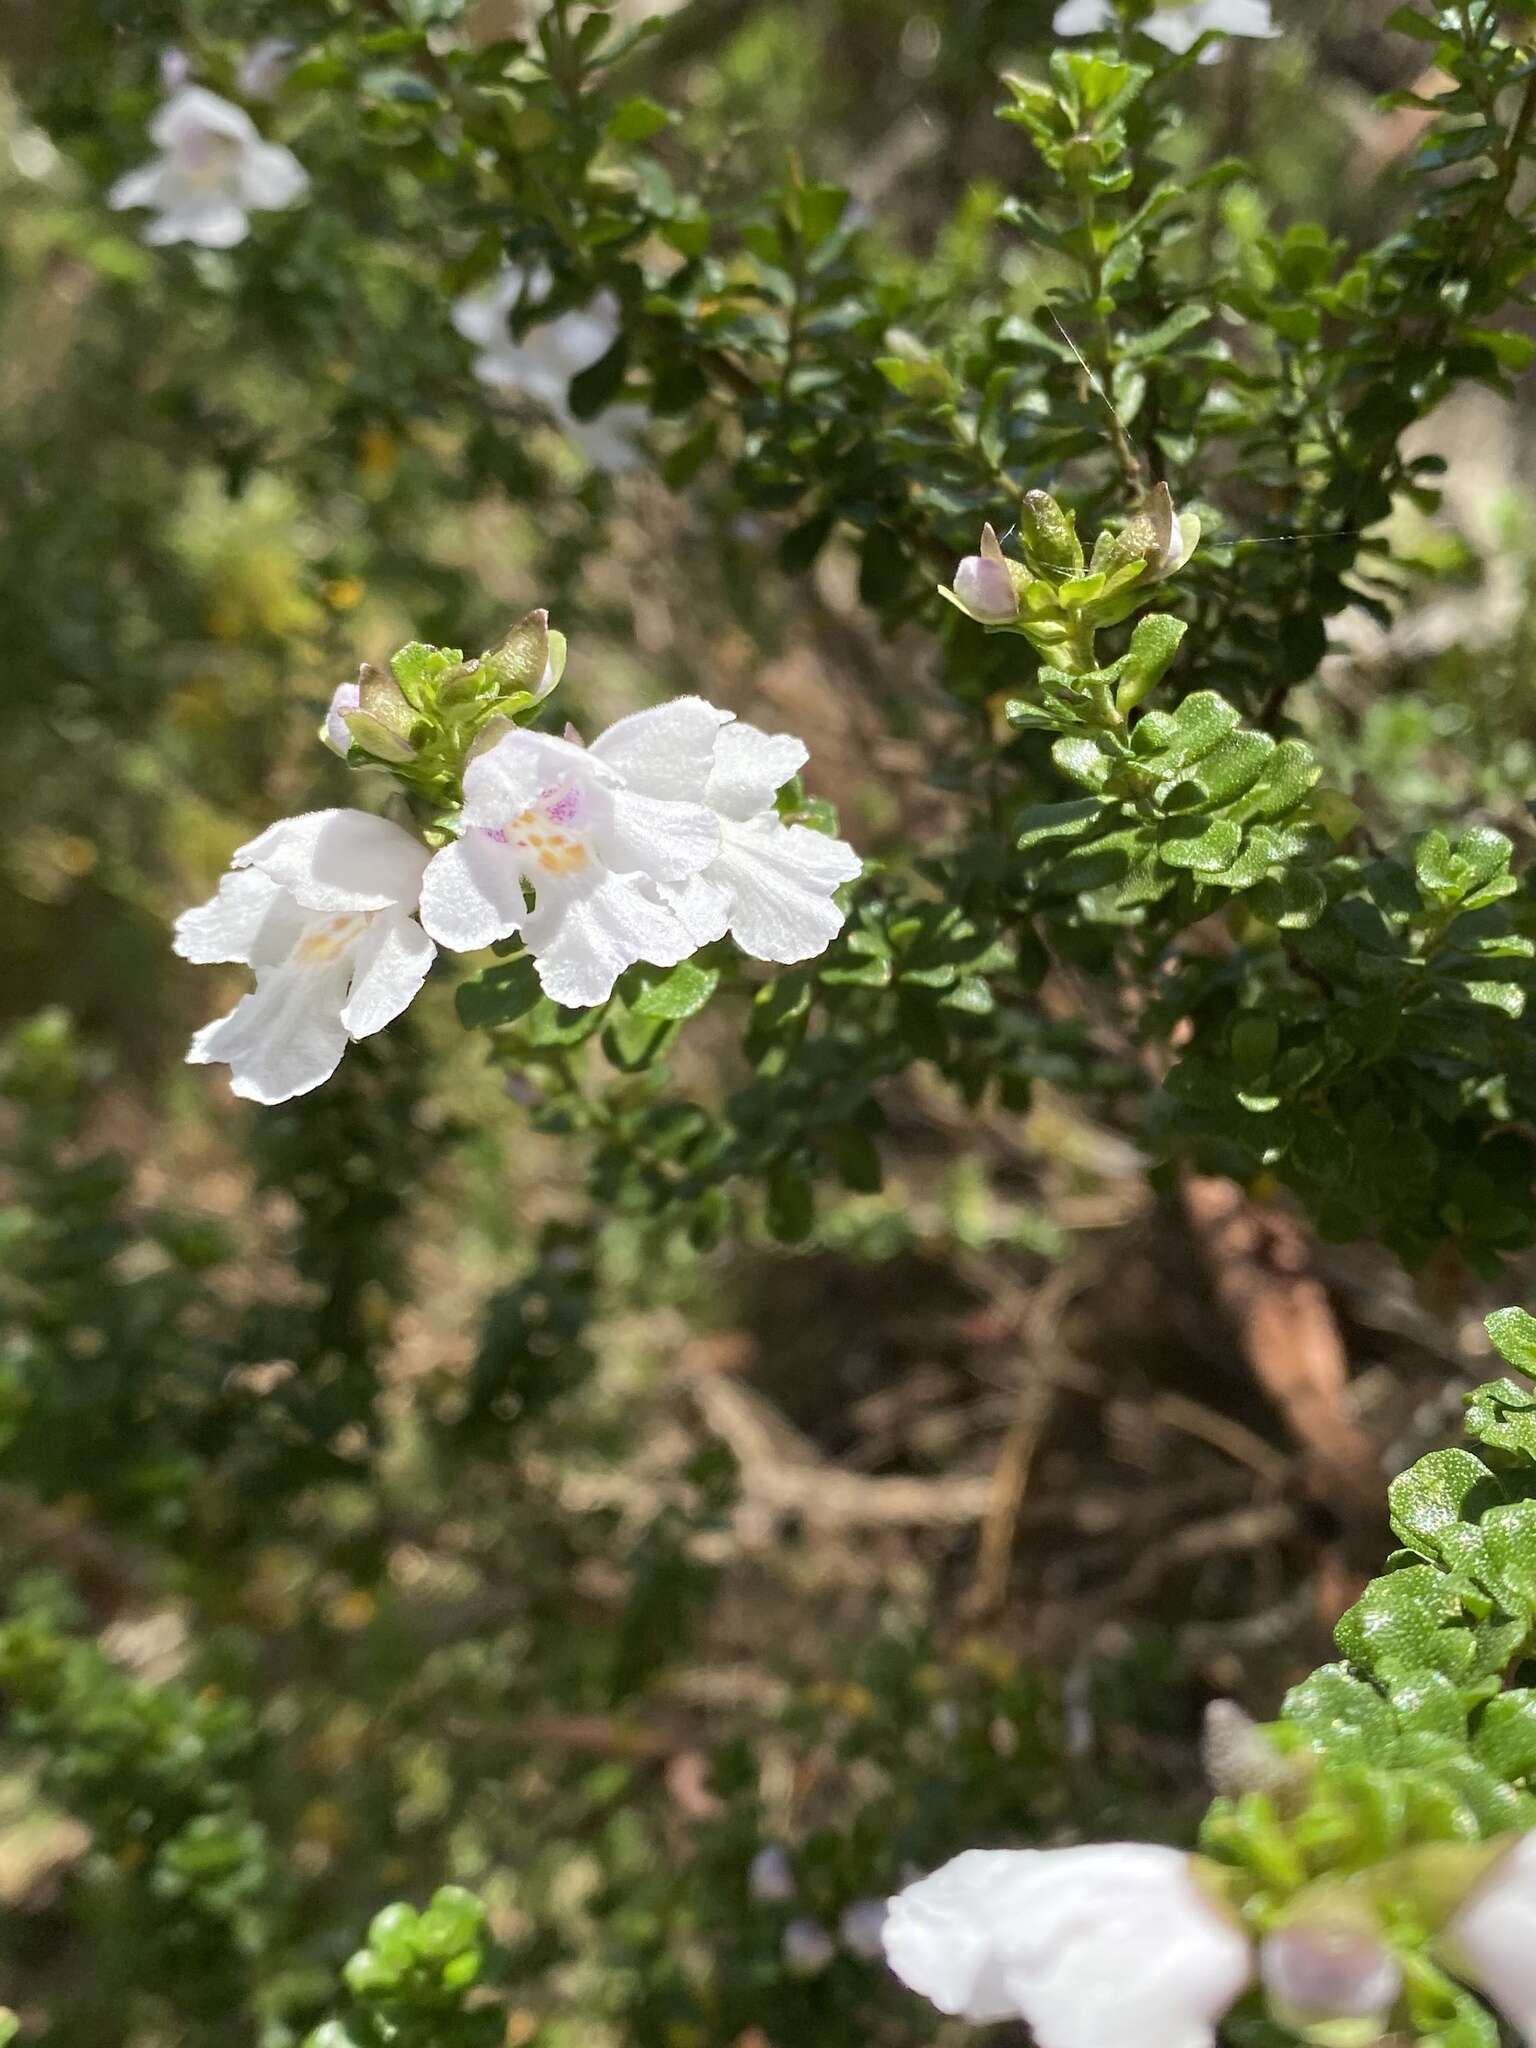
[[495, 832], [565, 808]]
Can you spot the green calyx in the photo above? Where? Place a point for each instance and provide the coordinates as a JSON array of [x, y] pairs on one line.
[[1059, 599], [426, 715]]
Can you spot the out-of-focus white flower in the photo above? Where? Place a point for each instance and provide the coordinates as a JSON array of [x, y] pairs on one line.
[[862, 1928], [1176, 26], [1489, 1940], [320, 906], [1094, 1946], [264, 67], [558, 817], [1315, 1972], [657, 839], [213, 171], [769, 1878], [541, 365], [344, 698], [806, 1947], [174, 67], [771, 885]]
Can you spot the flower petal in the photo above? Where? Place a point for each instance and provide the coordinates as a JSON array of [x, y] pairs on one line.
[[388, 968], [1489, 1940], [472, 894], [583, 936], [211, 222], [780, 879], [751, 767], [1093, 1946], [583, 336], [340, 860], [650, 836], [609, 439], [271, 176], [193, 112], [1083, 17], [506, 778], [137, 188], [283, 1039], [701, 905], [248, 909], [667, 751], [939, 1936]]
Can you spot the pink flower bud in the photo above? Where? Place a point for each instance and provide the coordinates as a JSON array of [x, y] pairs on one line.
[[1315, 1971], [807, 1947], [346, 697], [984, 584], [1489, 1941]]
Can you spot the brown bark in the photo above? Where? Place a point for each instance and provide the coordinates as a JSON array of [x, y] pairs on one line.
[[1259, 1260]]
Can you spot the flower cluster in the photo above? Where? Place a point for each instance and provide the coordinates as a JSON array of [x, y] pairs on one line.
[[661, 837], [551, 351], [1113, 1942], [1178, 24]]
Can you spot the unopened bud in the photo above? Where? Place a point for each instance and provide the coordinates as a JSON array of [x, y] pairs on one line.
[[371, 713], [264, 67], [1488, 1941], [769, 1877], [344, 698], [523, 659], [1321, 1972], [1175, 535], [807, 1947], [1239, 1757], [1049, 536], [984, 583]]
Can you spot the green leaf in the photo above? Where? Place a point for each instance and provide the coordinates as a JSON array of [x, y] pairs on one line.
[[1039, 822], [1407, 21], [1505, 1738], [1344, 1717], [791, 1210], [499, 995], [921, 378], [1433, 1501], [1408, 1621], [1202, 846], [637, 120], [680, 993], [1512, 1333], [1154, 643]]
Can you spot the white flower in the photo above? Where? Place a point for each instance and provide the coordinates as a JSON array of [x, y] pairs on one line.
[[1176, 26], [769, 1878], [212, 172], [560, 818], [320, 907], [770, 885], [652, 842], [541, 365], [1489, 1941], [1095, 1947]]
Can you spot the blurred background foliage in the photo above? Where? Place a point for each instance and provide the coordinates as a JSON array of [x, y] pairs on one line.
[[377, 1513]]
